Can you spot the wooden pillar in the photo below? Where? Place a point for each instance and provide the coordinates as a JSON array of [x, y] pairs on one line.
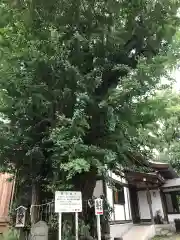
[[164, 206], [150, 205], [106, 224]]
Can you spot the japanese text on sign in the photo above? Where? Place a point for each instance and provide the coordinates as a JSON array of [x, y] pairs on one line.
[[66, 201], [98, 206]]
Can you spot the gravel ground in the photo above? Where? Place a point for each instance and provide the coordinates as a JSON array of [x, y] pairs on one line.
[[174, 237]]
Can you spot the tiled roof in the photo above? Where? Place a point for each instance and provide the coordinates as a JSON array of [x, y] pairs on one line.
[[172, 183]]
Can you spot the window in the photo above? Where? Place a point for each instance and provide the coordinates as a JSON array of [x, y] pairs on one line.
[[173, 202], [118, 194]]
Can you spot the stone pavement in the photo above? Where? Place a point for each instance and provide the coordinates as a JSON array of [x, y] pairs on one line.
[[141, 232]]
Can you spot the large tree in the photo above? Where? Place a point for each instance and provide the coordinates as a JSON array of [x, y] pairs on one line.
[[74, 79], [162, 136]]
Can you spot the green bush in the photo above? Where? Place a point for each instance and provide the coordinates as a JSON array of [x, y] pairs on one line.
[[12, 234]]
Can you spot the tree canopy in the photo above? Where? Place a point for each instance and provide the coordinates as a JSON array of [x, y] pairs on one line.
[[161, 137], [75, 80]]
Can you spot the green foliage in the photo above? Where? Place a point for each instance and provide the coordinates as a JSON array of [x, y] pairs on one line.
[[161, 137], [76, 79], [68, 230], [12, 234], [84, 231]]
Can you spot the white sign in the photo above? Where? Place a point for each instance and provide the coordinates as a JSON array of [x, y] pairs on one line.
[[66, 201], [98, 206], [20, 216]]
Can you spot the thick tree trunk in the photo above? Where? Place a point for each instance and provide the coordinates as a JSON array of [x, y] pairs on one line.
[[106, 230], [86, 183], [34, 201]]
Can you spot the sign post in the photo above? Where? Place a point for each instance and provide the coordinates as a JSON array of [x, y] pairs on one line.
[[98, 227], [68, 202], [98, 213], [77, 225], [60, 225]]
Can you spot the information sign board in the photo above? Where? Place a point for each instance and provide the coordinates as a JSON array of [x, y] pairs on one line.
[[66, 201]]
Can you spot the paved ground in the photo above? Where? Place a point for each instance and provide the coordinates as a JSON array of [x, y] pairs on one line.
[[139, 232], [175, 237]]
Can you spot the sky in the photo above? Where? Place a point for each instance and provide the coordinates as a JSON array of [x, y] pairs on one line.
[[177, 78]]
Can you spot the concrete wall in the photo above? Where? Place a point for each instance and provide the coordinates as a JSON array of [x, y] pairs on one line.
[[143, 204], [171, 217], [118, 230]]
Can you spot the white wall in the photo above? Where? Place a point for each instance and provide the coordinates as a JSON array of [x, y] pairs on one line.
[[121, 212], [98, 190], [127, 204], [144, 207], [171, 217], [156, 202]]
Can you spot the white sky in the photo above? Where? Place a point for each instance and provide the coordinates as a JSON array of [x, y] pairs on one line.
[[177, 78]]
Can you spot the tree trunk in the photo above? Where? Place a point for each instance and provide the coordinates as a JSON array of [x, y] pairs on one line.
[[86, 183], [34, 201]]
